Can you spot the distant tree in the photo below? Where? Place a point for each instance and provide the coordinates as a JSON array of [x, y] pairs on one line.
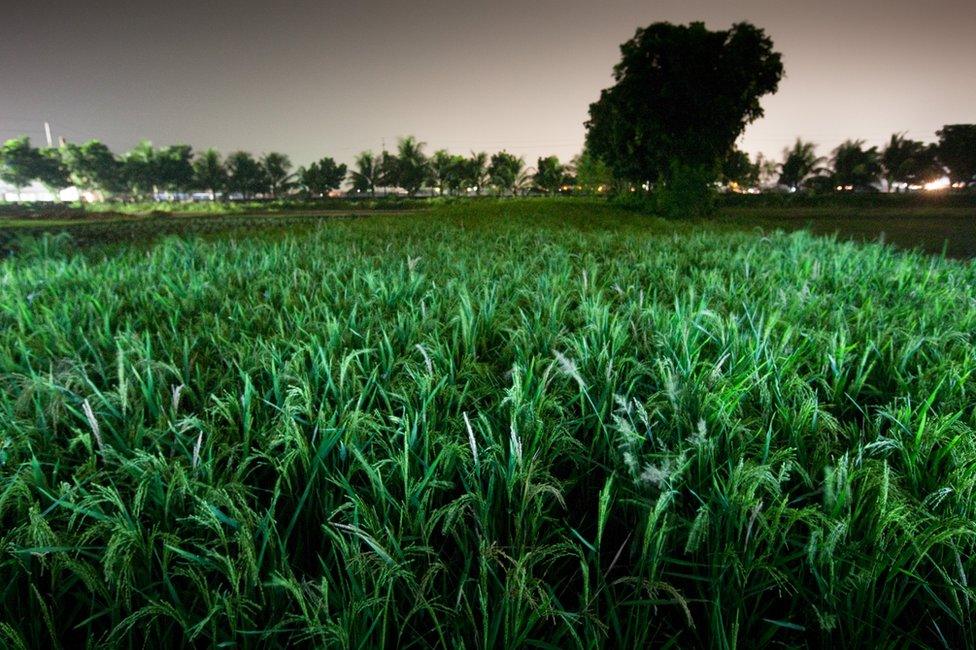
[[909, 161], [366, 176], [140, 170], [957, 151], [93, 167], [926, 166], [209, 173], [505, 170], [592, 174], [277, 173], [682, 97], [854, 166], [175, 168], [821, 183], [20, 163], [799, 164], [444, 171], [476, 171], [388, 170], [569, 177], [739, 169], [53, 173], [768, 169], [413, 169], [319, 178], [549, 174], [245, 175]]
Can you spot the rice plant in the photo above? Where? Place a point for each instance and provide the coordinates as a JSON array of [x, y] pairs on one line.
[[512, 424]]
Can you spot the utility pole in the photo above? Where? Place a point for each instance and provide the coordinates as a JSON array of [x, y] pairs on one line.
[[47, 132]]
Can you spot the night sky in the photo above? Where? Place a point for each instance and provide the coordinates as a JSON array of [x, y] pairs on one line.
[[333, 78]]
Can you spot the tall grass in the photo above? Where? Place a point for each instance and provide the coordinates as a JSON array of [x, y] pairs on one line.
[[502, 425]]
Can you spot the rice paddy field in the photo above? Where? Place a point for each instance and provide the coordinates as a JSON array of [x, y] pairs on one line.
[[499, 424]]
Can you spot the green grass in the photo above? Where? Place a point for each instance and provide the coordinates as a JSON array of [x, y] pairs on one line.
[[513, 424]]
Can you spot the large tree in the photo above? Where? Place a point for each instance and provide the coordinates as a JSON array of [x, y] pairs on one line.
[[682, 96], [855, 167], [319, 178], [957, 151]]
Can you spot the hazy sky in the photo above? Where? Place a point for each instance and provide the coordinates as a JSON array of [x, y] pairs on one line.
[[334, 78]]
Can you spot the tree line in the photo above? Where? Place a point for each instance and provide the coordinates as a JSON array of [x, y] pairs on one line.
[[146, 172], [902, 163]]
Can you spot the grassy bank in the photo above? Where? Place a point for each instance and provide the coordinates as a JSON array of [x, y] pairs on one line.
[[543, 424]]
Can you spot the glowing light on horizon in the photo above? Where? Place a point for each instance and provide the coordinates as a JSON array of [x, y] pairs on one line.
[[939, 184]]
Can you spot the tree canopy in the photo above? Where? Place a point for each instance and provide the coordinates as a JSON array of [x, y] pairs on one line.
[[245, 175], [92, 166], [909, 161], [20, 162], [854, 166], [549, 174], [683, 95], [366, 176], [320, 177], [412, 165], [505, 170], [277, 173], [209, 173], [957, 150], [738, 168], [799, 164]]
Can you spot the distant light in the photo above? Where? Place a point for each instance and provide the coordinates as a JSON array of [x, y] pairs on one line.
[[939, 184]]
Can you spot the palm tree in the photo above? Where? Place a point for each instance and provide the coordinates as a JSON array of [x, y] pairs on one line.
[[549, 174], [854, 166], [365, 176], [277, 168], [412, 165], [444, 167], [388, 170], [140, 170], [505, 171], [799, 163], [909, 161], [209, 173], [477, 171]]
